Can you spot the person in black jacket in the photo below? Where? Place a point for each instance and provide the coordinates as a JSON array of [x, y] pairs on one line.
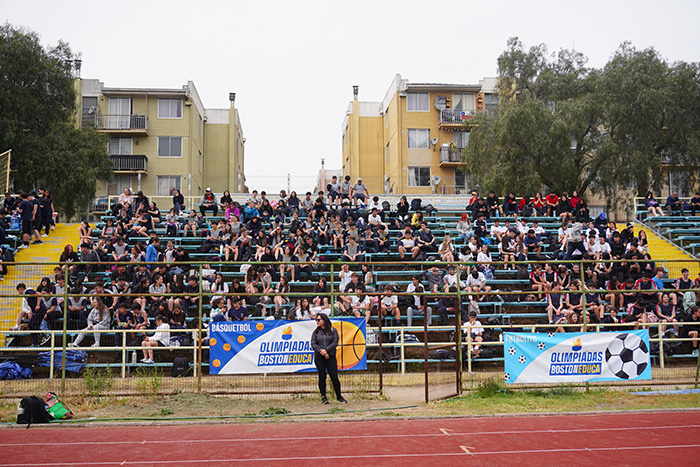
[[324, 341]]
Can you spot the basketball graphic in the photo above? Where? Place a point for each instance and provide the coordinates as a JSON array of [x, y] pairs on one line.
[[351, 344], [216, 363], [212, 342], [241, 339], [260, 326], [227, 347]]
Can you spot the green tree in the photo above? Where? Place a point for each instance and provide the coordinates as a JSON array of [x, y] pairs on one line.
[[571, 127], [37, 105], [653, 118], [547, 128]]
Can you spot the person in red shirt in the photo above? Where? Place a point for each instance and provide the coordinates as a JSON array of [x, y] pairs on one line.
[[474, 198], [551, 202], [538, 203]]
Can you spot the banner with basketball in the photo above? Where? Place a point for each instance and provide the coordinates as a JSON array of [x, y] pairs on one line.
[[576, 357], [280, 346]]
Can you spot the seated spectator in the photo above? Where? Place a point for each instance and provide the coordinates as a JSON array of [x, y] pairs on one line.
[[402, 217], [537, 281], [208, 203], [564, 209], [238, 311], [498, 230], [538, 204], [407, 244], [551, 202], [417, 307], [666, 313], [556, 309], [510, 205], [446, 305], [691, 327], [321, 288], [533, 242], [359, 192], [653, 205], [695, 203], [674, 205], [123, 320], [434, 277], [594, 304], [446, 250], [493, 205], [476, 284], [389, 304], [161, 338], [353, 251], [99, 319], [473, 333], [464, 228]]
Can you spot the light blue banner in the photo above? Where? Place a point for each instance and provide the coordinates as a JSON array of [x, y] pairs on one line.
[[576, 357]]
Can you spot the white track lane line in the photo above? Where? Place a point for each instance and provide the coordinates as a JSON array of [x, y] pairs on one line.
[[384, 436], [358, 456]]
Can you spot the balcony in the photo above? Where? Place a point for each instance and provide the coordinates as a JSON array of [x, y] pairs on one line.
[[450, 156], [119, 124], [130, 164], [451, 118]]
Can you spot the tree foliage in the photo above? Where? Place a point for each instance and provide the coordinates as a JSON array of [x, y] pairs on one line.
[[571, 127], [37, 105]]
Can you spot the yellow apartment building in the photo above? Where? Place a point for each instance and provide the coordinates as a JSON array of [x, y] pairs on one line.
[[412, 140], [164, 139]]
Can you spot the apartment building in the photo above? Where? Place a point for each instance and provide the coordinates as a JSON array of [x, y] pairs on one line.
[[164, 139], [412, 140]]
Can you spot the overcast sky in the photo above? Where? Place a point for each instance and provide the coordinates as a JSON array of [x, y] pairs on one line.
[[292, 64]]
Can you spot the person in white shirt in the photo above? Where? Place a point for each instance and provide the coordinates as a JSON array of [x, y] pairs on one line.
[[592, 247], [604, 246], [476, 283], [390, 304], [160, 339], [523, 228], [450, 278], [485, 257], [498, 230], [563, 235], [345, 276], [473, 332], [417, 308], [361, 304]]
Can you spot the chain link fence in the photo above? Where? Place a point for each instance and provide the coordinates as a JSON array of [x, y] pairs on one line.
[[444, 353]]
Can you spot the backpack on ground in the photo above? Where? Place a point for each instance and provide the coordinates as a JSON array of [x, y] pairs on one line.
[[430, 209], [181, 366], [32, 409], [386, 206], [416, 204], [57, 409]]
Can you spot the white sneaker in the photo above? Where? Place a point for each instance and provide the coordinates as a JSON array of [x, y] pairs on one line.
[[95, 345], [22, 246], [44, 235], [14, 328], [71, 344], [53, 227], [45, 339]]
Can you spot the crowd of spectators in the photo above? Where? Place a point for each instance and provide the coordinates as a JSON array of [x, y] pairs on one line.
[[282, 239]]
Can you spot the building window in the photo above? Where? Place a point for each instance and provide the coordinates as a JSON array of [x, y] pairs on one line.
[[418, 139], [119, 182], [460, 181], [169, 146], [165, 184], [418, 101], [386, 119], [461, 139], [387, 153], [464, 101], [418, 176], [169, 108], [120, 146]]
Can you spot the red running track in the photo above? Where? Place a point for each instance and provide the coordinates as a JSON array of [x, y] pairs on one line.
[[638, 439]]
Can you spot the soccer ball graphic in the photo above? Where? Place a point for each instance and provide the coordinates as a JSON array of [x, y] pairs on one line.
[[512, 350], [541, 345], [550, 334], [627, 356], [522, 359], [507, 376]]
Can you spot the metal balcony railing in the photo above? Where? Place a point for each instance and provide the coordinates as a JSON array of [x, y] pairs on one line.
[[120, 122], [130, 163], [457, 116], [450, 154]]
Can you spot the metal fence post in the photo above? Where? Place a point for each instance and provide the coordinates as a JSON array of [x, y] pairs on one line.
[[332, 289], [584, 289], [201, 295], [425, 345], [65, 329], [661, 346]]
